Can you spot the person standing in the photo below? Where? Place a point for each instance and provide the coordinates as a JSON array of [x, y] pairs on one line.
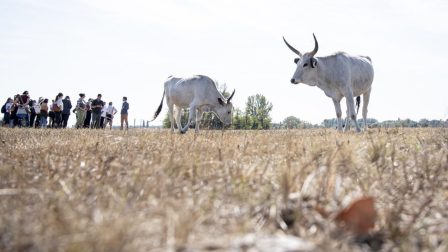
[[97, 106], [124, 112], [33, 114], [7, 113], [88, 113], [36, 107], [43, 113], [80, 111], [66, 111], [23, 112], [103, 115], [13, 120], [57, 108], [110, 112]]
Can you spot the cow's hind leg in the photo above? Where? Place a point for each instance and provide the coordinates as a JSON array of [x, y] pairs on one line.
[[365, 98], [352, 111]]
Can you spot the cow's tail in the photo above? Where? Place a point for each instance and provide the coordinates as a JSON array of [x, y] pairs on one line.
[[358, 102], [159, 108]]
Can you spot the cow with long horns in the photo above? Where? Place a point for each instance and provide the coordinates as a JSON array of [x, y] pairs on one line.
[[339, 75], [199, 94]]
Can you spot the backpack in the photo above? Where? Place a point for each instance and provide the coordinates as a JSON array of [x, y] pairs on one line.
[[55, 107], [4, 108], [36, 108]]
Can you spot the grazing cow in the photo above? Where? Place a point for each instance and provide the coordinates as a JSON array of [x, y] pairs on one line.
[[199, 93], [338, 75]]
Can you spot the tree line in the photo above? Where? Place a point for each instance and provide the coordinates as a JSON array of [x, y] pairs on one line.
[[256, 115]]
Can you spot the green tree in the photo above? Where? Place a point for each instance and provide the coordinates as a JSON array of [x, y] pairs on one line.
[[258, 109], [291, 122], [238, 119]]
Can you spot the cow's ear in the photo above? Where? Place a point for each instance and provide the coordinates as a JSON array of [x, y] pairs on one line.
[[296, 60], [313, 62], [221, 101]]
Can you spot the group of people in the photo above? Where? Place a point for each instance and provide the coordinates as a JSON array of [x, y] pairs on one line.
[[22, 111]]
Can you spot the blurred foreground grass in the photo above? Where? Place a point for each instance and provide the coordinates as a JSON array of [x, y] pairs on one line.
[[150, 190]]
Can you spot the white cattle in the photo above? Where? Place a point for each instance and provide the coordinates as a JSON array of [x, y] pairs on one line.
[[199, 94], [338, 75]]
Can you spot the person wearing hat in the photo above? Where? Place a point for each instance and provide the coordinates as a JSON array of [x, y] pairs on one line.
[[97, 106], [80, 110], [66, 111], [124, 112]]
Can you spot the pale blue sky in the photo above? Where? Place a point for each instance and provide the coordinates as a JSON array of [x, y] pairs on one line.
[[130, 47]]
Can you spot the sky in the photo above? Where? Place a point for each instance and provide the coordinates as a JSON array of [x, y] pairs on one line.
[[129, 48]]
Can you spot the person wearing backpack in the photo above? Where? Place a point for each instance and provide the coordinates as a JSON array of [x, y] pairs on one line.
[[81, 108], [13, 120], [57, 108], [6, 110], [23, 110], [36, 107], [66, 111]]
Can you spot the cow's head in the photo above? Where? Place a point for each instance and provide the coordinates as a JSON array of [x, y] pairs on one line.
[[224, 110], [306, 70]]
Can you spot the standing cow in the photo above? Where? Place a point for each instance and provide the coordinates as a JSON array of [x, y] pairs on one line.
[[338, 75], [199, 94]]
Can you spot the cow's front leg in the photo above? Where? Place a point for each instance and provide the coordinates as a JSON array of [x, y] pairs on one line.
[[337, 107], [171, 116], [191, 117], [346, 126], [198, 120], [352, 110]]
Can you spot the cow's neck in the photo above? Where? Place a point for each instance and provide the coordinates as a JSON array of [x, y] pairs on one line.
[[323, 81]]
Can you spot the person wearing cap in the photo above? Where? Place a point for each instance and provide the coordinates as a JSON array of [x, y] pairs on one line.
[[97, 106], [66, 111], [124, 112], [80, 110]]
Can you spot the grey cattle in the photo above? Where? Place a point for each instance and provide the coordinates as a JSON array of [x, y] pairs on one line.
[[199, 94], [338, 75]]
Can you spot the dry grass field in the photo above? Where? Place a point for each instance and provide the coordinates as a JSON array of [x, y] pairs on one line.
[[150, 190]]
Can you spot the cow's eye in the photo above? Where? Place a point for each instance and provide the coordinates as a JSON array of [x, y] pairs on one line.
[[305, 65], [228, 112]]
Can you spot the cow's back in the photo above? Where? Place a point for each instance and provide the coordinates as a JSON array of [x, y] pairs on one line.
[[184, 91]]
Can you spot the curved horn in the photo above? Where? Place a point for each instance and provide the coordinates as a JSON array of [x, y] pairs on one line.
[[316, 46], [292, 48], [230, 97]]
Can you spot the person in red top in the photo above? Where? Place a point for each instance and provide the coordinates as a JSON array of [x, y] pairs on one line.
[[25, 98]]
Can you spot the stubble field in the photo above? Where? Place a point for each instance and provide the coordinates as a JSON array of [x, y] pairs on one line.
[[150, 190]]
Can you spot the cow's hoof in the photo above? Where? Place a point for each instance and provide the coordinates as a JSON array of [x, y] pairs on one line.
[[183, 132]]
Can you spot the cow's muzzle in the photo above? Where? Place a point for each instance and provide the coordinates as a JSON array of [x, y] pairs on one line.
[[294, 81]]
